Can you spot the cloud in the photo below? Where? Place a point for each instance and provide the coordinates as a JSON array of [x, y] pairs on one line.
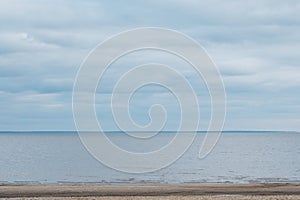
[[254, 43]]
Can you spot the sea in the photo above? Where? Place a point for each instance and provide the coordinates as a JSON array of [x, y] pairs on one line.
[[58, 157]]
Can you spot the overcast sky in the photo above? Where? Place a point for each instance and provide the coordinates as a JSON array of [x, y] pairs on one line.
[[255, 44]]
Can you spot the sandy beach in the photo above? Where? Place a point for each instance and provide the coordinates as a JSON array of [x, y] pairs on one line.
[[198, 197], [148, 191]]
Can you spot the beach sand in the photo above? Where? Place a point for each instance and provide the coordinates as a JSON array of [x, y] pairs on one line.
[[148, 191], [197, 197]]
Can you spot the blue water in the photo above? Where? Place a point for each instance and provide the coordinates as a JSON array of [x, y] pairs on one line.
[[239, 157]]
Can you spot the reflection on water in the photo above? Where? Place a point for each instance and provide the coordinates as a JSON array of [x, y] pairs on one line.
[[238, 158]]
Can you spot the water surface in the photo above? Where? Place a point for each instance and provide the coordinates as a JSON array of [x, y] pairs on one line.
[[239, 157]]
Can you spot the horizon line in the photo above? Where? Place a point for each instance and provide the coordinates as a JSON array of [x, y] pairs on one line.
[[132, 131]]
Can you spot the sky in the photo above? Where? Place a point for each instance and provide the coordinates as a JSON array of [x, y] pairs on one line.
[[255, 45]]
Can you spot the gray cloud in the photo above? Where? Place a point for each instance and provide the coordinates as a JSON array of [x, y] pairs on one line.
[[255, 44]]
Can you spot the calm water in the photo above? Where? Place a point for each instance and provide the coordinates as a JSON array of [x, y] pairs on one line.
[[238, 158]]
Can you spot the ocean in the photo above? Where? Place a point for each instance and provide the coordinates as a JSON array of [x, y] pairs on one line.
[[238, 157]]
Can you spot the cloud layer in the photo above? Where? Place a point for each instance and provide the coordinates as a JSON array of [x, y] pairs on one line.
[[254, 43]]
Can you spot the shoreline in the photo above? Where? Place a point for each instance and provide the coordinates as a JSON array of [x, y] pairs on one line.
[[146, 190]]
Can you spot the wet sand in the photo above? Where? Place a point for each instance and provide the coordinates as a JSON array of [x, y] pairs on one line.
[[148, 191]]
